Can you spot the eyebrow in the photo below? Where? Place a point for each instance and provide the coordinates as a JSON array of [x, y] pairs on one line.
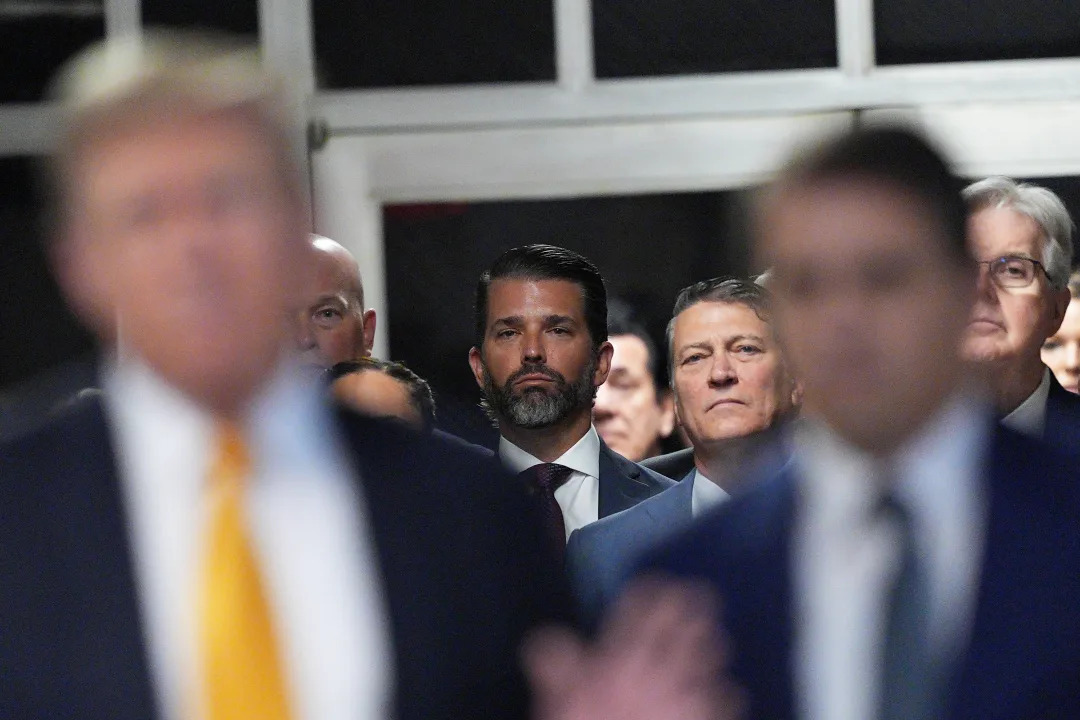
[[746, 336], [548, 320], [328, 299], [696, 346]]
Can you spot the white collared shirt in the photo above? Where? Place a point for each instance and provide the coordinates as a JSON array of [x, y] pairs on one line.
[[579, 496], [705, 494], [845, 561], [1029, 417], [308, 525]]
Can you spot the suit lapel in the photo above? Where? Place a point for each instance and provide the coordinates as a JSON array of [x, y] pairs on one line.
[[1018, 635], [621, 485], [95, 612]]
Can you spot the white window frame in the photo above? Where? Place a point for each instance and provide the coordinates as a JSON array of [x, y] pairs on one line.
[[583, 136]]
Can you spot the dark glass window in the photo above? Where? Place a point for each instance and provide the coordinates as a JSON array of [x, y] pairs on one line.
[[645, 37], [235, 16], [927, 31], [648, 247], [36, 41], [393, 43]]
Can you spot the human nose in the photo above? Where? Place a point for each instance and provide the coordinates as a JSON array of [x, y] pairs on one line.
[[605, 402], [984, 284], [532, 350], [722, 372], [305, 337], [1072, 356]]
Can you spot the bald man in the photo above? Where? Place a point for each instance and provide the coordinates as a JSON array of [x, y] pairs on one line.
[[334, 326]]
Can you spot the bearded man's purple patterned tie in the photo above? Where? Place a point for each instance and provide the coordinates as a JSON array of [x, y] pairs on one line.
[[543, 480]]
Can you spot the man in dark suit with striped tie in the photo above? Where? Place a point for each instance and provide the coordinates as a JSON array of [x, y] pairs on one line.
[[541, 352]]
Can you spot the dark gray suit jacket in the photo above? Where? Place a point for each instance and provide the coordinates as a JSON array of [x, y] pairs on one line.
[[624, 484], [675, 465]]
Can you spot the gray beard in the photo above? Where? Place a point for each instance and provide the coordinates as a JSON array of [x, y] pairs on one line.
[[537, 408]]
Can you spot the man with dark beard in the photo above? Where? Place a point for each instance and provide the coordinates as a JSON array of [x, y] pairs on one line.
[[541, 352]]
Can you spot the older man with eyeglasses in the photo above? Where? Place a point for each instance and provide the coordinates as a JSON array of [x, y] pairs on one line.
[[1021, 236]]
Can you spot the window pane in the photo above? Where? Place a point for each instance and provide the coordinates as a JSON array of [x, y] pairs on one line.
[[236, 16], [36, 42], [391, 43], [648, 248], [36, 330], [643, 37], [925, 31]]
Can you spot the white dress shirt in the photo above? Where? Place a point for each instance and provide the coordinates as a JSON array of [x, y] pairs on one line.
[[845, 561], [1029, 417], [308, 525], [705, 494], [578, 497]]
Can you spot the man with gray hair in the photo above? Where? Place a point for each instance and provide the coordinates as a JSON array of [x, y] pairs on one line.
[[1021, 236], [731, 385]]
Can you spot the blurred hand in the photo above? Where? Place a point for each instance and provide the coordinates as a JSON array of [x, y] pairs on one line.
[[659, 656]]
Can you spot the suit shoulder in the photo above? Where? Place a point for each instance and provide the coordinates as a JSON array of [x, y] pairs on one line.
[[743, 528], [83, 417], [674, 465]]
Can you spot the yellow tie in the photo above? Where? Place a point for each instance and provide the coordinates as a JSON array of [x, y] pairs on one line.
[[241, 662]]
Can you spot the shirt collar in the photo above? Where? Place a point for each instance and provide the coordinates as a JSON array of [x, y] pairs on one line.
[[705, 494], [288, 425], [1029, 417], [838, 477], [583, 457]]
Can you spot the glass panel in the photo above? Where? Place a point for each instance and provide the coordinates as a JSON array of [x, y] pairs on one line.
[[392, 43], [37, 38], [648, 248], [36, 330], [236, 16], [927, 31], [705, 36]]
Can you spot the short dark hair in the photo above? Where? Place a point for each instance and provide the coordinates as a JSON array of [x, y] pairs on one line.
[[900, 157], [620, 323], [420, 395], [725, 289], [547, 262]]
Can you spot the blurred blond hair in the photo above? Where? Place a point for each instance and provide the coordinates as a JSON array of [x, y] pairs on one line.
[[136, 81]]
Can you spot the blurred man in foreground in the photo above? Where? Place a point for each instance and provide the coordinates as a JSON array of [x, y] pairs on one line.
[[334, 324], [1061, 351], [731, 385], [633, 412], [207, 538], [915, 559], [1021, 236]]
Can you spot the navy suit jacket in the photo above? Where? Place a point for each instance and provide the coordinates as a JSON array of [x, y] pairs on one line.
[[599, 555], [458, 543], [1023, 658], [1062, 424], [624, 484]]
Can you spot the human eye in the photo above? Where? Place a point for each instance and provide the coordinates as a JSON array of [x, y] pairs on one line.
[[693, 358], [327, 316], [748, 349], [1014, 267], [505, 333], [1051, 344]]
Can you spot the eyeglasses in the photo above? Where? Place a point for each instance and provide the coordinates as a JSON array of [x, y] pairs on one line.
[[1013, 271]]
